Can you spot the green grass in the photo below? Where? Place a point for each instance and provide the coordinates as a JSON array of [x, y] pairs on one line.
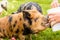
[[47, 34]]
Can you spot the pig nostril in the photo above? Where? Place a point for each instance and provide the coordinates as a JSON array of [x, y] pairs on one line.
[[42, 24]]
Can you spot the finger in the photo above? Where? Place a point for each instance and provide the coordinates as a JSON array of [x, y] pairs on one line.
[[52, 19], [52, 14], [53, 5], [57, 4], [52, 23], [55, 22]]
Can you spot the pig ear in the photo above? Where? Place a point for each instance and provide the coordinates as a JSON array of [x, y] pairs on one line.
[[26, 13]]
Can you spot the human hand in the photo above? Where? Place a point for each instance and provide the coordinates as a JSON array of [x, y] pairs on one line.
[[54, 18], [55, 4]]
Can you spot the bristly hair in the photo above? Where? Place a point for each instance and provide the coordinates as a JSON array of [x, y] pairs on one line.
[[28, 6]]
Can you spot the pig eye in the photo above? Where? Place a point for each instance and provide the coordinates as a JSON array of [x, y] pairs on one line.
[[36, 19], [41, 23]]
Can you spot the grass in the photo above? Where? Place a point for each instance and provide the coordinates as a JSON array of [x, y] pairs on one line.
[[47, 34]]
